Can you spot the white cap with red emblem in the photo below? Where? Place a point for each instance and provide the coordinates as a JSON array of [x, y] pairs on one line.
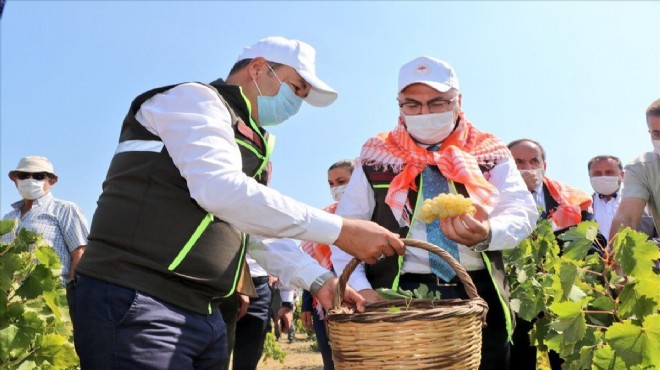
[[429, 71]]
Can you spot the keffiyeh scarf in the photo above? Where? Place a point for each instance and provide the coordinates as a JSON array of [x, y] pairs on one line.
[[458, 159]]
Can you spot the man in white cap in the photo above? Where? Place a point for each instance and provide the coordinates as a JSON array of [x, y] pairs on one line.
[[434, 149], [60, 223], [186, 182]]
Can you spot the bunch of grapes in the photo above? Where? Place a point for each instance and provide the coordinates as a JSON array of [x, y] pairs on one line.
[[445, 205]]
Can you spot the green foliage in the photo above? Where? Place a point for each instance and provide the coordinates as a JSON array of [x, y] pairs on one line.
[[593, 316], [272, 349], [35, 329], [422, 292]]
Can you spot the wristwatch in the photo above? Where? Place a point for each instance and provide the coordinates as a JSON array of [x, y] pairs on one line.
[[319, 281], [482, 245]]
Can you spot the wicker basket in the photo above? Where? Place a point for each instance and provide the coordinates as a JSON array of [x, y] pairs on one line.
[[424, 334]]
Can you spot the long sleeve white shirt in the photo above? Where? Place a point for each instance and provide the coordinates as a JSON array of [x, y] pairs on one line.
[[196, 128], [511, 221]]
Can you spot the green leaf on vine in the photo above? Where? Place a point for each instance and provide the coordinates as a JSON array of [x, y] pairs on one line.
[[636, 344], [637, 299], [578, 240], [6, 226], [606, 359], [570, 323], [564, 281], [635, 253]]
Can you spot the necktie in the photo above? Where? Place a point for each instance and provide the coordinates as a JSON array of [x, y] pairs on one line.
[[434, 183]]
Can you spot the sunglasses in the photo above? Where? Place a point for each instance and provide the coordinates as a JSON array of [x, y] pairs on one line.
[[37, 175]]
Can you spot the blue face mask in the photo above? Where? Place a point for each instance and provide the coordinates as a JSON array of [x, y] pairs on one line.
[[274, 110]]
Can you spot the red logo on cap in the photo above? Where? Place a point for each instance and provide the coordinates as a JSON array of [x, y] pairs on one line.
[[422, 70]]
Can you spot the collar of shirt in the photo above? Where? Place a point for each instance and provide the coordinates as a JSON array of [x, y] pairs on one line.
[[35, 203], [601, 196]]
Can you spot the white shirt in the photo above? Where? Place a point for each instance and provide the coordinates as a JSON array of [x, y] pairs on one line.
[[604, 211], [195, 127], [511, 221]]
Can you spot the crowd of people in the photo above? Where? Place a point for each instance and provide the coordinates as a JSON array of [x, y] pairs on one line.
[[177, 270]]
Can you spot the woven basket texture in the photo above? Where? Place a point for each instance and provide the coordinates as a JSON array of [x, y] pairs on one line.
[[423, 334]]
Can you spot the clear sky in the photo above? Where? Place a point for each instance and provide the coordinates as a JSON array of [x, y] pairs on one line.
[[576, 76]]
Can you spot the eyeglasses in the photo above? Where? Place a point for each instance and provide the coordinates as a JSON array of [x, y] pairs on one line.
[[435, 106], [26, 175]]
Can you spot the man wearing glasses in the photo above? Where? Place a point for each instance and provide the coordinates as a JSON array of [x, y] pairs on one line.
[[432, 150], [60, 223]]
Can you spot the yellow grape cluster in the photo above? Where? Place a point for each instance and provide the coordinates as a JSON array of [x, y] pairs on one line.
[[445, 205]]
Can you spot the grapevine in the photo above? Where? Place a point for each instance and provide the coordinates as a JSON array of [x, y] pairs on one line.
[[444, 206]]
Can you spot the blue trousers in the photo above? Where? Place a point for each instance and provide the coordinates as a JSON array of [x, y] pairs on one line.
[[251, 329], [122, 328], [323, 341]]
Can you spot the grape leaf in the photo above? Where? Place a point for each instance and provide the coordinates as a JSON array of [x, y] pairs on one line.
[[7, 335], [570, 323], [563, 282], [606, 359], [39, 281], [633, 300], [57, 350], [48, 257], [635, 343], [6, 226], [578, 240], [635, 253], [421, 292]]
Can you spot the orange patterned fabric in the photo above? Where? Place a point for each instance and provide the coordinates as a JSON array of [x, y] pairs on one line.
[[321, 253], [571, 204], [458, 159]]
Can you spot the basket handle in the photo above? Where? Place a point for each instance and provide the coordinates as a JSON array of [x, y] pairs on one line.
[[470, 289]]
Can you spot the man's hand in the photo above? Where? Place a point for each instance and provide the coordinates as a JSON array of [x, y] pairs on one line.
[[367, 241], [243, 304], [75, 258], [531, 180], [306, 318], [467, 229], [285, 316], [327, 291], [370, 295]]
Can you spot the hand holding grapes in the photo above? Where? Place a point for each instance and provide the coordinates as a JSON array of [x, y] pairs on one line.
[[467, 229], [462, 220]]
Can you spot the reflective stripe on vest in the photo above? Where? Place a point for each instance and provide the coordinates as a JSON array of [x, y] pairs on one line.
[[140, 146]]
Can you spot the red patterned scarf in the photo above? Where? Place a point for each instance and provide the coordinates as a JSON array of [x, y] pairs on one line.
[[458, 159], [321, 253], [571, 203]]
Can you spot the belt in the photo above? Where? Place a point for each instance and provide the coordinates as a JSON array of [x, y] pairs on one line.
[[432, 279], [259, 279]]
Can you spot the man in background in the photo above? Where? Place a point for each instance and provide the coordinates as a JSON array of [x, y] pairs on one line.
[[61, 224], [641, 181]]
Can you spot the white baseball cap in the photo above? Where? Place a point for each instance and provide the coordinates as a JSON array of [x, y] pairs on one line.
[[34, 164], [429, 71], [297, 55]]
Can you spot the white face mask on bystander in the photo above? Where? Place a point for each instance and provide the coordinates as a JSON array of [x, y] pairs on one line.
[[605, 185], [31, 189]]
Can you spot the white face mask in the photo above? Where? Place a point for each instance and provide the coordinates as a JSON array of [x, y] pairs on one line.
[[537, 172], [31, 189], [337, 192], [605, 185], [430, 128], [656, 146]]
